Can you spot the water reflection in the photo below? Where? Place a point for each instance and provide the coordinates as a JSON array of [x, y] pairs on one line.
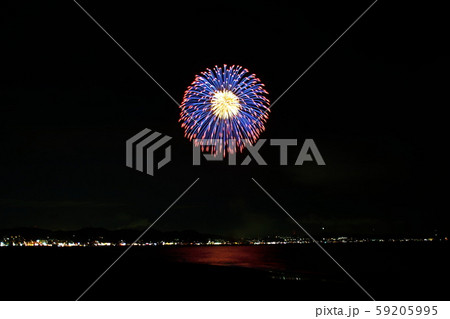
[[280, 262], [241, 256]]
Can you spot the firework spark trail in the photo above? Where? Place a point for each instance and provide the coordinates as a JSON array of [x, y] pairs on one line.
[[225, 104]]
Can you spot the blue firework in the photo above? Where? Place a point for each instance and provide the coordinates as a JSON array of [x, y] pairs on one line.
[[225, 104]]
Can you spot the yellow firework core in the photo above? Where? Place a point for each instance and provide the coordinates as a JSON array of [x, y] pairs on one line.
[[225, 104]]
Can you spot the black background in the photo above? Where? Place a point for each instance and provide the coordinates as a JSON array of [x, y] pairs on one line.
[[374, 105]]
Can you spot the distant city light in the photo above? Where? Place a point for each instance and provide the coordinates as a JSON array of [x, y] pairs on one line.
[[277, 240]]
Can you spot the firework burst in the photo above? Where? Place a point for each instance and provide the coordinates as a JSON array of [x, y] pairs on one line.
[[227, 105]]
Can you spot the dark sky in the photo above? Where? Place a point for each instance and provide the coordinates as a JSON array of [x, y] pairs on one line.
[[374, 105]]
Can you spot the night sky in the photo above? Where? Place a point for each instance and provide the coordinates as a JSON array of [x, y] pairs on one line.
[[374, 105]]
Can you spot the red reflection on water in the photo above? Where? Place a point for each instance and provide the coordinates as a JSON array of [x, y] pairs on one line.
[[242, 256]]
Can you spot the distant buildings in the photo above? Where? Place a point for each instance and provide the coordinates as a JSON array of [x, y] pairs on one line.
[[19, 241]]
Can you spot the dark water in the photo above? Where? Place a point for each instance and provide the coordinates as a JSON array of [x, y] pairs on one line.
[[409, 271]]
